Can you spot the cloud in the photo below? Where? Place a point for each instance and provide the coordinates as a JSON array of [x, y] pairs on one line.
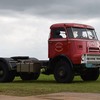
[[24, 35], [24, 24], [73, 9]]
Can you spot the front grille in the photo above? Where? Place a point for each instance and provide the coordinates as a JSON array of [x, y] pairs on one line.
[[92, 58], [92, 49]]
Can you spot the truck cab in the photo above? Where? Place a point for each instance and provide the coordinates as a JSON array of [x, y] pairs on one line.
[[77, 45]]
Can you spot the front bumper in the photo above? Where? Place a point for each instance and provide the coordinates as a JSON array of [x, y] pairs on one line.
[[91, 60]]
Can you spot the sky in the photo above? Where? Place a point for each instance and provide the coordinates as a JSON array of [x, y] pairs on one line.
[[25, 24]]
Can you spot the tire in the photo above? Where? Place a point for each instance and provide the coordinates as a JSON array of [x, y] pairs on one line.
[[90, 74], [29, 76], [11, 76], [36, 76], [5, 74], [63, 72]]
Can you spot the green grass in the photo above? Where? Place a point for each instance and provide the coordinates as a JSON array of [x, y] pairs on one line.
[[46, 84]]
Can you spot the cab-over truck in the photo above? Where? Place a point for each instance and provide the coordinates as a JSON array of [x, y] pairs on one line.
[[73, 49]]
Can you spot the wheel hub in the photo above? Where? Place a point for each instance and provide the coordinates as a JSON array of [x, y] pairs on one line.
[[61, 73], [1, 72]]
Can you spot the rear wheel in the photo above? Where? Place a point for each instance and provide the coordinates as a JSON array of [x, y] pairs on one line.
[[90, 74], [29, 76], [5, 74], [63, 72]]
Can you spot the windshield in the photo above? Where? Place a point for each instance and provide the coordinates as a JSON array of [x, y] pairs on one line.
[[82, 33]]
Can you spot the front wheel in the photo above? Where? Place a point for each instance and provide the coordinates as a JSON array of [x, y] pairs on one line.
[[90, 74], [63, 72]]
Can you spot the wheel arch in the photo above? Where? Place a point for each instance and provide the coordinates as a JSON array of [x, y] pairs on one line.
[[57, 58]]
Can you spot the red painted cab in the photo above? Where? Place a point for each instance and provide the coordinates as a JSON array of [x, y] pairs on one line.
[[73, 49], [73, 40]]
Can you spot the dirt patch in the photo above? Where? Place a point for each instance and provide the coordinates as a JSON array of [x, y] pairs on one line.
[[71, 96], [56, 96]]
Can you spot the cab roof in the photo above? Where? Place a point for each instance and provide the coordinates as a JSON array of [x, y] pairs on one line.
[[71, 25]]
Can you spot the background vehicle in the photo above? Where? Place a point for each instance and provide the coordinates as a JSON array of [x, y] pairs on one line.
[[73, 49]]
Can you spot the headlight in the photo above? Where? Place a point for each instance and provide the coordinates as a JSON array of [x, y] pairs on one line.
[[83, 58]]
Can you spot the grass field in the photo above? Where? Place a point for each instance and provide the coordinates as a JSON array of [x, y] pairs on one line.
[[46, 84]]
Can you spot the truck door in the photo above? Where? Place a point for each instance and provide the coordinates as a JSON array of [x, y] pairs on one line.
[[57, 42]]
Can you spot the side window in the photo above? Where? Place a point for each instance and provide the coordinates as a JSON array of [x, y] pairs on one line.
[[63, 34], [90, 34], [75, 33], [59, 33]]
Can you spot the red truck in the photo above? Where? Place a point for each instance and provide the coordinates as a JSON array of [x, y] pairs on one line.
[[73, 49]]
